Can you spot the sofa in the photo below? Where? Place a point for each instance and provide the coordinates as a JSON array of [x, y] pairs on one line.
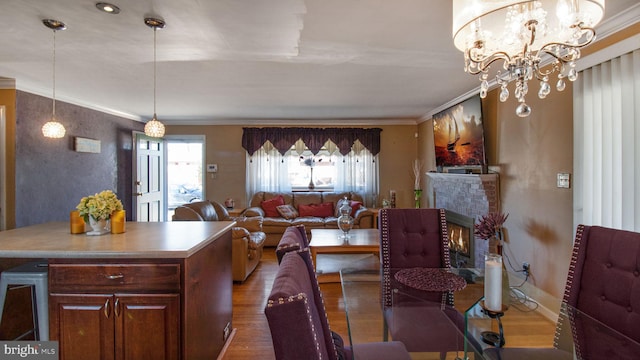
[[313, 209], [247, 236]]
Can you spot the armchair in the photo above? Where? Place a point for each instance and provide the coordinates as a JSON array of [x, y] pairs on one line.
[[411, 238], [247, 236]]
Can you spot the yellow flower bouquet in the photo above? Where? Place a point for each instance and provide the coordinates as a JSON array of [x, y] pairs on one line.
[[99, 206]]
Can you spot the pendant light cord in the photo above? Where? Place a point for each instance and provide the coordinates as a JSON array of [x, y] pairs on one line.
[[155, 29], [54, 74]]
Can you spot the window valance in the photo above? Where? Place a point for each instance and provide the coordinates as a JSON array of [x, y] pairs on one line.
[[314, 138]]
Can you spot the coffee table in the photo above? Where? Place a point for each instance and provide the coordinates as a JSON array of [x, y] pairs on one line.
[[330, 241]]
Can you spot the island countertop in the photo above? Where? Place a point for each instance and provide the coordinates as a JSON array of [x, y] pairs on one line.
[[179, 239]]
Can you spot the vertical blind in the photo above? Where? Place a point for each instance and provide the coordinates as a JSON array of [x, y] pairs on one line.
[[607, 144]]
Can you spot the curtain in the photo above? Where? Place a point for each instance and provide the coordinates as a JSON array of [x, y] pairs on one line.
[[267, 170], [607, 144], [314, 138], [357, 171]]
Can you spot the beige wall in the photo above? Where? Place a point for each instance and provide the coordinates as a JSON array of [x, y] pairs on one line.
[[8, 100], [223, 147]]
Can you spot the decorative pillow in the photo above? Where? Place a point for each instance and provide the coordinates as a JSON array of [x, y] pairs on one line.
[[316, 210], [287, 211], [269, 206], [355, 206]]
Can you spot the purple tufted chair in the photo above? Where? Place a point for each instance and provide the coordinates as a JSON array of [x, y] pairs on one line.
[[298, 320], [603, 283], [412, 238]]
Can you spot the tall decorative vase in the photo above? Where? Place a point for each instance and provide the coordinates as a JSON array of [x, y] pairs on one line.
[[311, 184], [417, 194], [98, 227], [506, 289]]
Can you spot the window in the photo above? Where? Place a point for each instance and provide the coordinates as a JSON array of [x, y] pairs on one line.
[[184, 171], [268, 170]]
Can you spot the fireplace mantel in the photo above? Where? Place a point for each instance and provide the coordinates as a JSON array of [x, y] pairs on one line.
[[472, 195]]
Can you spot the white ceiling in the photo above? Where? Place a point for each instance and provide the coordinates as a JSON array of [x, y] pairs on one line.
[[244, 61]]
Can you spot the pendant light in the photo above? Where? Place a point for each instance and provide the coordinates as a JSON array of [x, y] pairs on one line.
[[153, 127], [54, 129]]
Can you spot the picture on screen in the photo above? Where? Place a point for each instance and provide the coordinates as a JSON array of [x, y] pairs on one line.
[[459, 135]]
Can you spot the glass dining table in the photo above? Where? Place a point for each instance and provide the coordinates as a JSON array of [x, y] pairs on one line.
[[544, 328]]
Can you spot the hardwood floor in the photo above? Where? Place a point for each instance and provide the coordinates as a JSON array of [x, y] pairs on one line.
[[252, 339]]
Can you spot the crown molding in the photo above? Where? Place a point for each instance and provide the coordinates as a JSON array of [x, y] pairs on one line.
[[292, 122]]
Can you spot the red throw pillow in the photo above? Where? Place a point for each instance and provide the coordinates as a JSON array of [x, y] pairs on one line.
[[355, 206], [317, 210], [270, 206]]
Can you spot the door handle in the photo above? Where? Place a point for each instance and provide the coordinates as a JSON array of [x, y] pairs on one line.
[[138, 194], [116, 308], [106, 309]]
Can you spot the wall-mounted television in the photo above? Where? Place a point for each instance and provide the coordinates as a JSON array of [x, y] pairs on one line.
[[459, 135]]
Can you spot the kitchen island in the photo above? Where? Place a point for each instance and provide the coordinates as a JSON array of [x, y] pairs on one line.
[[158, 291]]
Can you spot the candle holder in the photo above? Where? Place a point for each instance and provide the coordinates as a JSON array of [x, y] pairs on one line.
[[491, 337]]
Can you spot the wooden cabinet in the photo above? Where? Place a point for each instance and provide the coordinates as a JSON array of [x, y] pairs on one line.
[[120, 326], [95, 319]]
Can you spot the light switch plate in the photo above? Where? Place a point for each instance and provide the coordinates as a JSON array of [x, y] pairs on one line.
[[211, 168], [564, 180]]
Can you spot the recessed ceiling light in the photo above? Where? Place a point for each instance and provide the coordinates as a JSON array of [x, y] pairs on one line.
[[108, 8]]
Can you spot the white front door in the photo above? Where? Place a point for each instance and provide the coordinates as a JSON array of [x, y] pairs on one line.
[[149, 178]]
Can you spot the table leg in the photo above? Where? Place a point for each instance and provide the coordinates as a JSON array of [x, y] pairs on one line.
[[314, 256]]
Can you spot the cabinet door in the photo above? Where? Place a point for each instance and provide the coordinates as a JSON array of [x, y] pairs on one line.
[[83, 324], [147, 326]]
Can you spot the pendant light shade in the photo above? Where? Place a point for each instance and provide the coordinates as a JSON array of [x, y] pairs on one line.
[[153, 127], [53, 129]]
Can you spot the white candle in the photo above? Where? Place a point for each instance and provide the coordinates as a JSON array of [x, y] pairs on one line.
[[493, 282]]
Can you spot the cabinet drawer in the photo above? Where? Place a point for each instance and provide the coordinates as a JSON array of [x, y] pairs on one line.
[[114, 277]]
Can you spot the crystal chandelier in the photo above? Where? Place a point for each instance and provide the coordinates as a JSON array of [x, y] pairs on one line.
[[523, 35], [53, 129], [153, 127]]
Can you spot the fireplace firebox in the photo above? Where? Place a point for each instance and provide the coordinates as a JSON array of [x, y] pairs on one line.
[[461, 239]]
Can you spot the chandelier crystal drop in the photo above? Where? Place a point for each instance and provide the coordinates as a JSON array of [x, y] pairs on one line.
[[524, 36], [154, 128], [52, 128]]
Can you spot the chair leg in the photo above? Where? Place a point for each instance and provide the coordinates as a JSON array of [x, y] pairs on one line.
[[385, 330]]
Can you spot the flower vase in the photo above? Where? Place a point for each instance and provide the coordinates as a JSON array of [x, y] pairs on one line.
[[99, 227], [311, 184], [417, 194]]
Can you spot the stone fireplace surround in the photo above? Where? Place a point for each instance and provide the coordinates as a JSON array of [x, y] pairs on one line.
[[471, 195]]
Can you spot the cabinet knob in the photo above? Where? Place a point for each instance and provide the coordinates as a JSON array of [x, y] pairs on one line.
[[114, 277]]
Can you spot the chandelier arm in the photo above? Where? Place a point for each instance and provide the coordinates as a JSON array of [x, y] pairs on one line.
[[482, 65]]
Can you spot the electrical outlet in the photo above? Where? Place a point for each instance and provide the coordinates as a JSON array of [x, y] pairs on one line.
[[526, 268], [564, 180]]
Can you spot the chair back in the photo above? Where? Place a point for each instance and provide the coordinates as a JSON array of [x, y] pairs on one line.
[[294, 238], [604, 283], [296, 313], [412, 238]]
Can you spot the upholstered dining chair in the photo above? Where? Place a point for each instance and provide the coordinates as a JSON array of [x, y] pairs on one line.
[[294, 238], [298, 320], [603, 286], [417, 238]]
